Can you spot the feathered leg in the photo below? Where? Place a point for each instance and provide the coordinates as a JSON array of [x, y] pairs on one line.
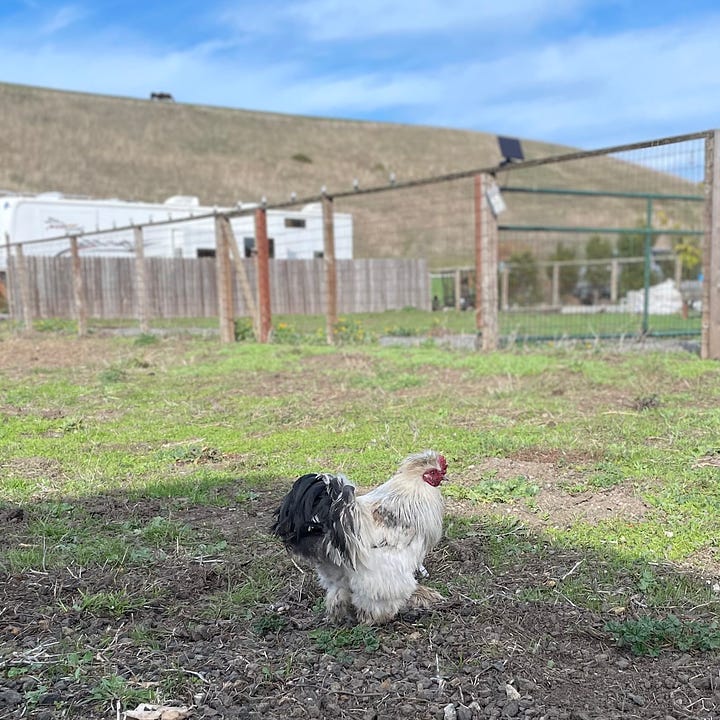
[[337, 596]]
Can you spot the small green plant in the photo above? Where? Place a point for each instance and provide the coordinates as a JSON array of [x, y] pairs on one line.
[[115, 603], [145, 339], [348, 331], [194, 454], [458, 527], [244, 330], [336, 642], [116, 688], [246, 496], [110, 376], [301, 158], [268, 624], [650, 636], [286, 333], [161, 531], [400, 331], [74, 664]]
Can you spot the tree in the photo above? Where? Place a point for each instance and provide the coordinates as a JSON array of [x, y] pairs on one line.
[[690, 254], [598, 276], [632, 275], [524, 281]]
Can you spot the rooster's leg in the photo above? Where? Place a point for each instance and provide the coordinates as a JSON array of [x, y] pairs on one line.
[[337, 595], [337, 604]]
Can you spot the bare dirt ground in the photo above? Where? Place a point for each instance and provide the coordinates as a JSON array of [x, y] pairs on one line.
[[483, 657], [480, 654]]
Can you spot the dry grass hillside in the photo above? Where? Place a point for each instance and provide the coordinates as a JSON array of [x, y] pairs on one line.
[[146, 150]]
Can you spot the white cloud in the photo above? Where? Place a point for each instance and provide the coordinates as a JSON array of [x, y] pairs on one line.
[[338, 19], [60, 19], [590, 90]]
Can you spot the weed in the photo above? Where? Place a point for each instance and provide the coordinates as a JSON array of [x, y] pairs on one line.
[[116, 688], [335, 642], [650, 636], [244, 330], [145, 339], [161, 531], [348, 331], [245, 496], [268, 624], [459, 527], [115, 603], [111, 376]]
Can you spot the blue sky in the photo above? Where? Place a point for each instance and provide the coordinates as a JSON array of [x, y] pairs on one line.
[[583, 73]]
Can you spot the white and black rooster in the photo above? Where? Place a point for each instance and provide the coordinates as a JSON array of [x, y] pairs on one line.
[[368, 549]]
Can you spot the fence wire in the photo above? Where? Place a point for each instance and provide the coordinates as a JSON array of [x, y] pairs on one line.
[[600, 244]]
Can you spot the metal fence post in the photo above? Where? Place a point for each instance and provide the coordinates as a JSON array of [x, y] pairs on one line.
[[224, 284], [331, 313], [78, 287], [710, 338], [263, 273]]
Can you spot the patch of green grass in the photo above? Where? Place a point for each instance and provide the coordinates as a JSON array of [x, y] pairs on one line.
[[491, 490], [650, 636], [257, 586], [115, 603], [116, 689], [456, 527], [217, 425], [160, 531], [145, 339], [112, 375]]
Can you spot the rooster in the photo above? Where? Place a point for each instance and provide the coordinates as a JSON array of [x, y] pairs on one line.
[[367, 549]]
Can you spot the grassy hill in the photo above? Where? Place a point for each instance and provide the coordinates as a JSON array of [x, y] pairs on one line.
[[140, 149]]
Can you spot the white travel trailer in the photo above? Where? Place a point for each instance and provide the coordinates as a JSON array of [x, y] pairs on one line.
[[293, 234]]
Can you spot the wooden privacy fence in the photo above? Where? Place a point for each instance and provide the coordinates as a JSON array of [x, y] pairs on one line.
[[187, 287]]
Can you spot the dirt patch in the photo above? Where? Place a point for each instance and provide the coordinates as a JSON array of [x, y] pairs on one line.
[[482, 653], [556, 495]]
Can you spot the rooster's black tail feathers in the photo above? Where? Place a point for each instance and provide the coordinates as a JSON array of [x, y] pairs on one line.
[[318, 519]]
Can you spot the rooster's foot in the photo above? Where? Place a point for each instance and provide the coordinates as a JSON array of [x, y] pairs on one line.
[[424, 597]]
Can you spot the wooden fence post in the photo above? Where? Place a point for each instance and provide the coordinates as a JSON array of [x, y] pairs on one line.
[[141, 294], [9, 292], [224, 283], [331, 312], [263, 273], [486, 266], [555, 285], [710, 338], [240, 269], [478, 201], [78, 288], [24, 283]]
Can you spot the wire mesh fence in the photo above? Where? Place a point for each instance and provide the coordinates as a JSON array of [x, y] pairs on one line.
[[602, 245]]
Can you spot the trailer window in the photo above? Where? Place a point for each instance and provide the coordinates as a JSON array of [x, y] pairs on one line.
[[206, 252], [249, 244], [294, 222]]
